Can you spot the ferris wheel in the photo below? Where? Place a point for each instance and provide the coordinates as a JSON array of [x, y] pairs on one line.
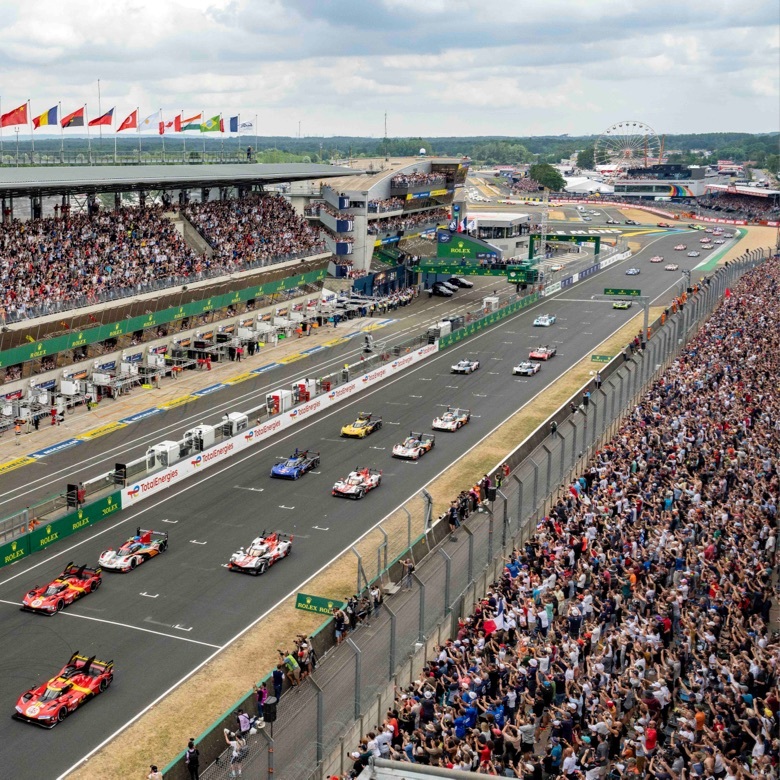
[[627, 145]]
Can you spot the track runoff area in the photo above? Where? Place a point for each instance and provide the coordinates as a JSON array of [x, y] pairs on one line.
[[171, 616]]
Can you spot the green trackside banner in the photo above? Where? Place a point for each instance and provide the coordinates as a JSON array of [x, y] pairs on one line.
[[318, 604], [47, 534], [462, 247], [486, 322], [10, 552], [40, 349], [455, 269]]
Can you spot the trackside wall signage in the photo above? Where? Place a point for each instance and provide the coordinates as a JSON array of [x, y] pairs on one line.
[[156, 483], [318, 604], [14, 551]]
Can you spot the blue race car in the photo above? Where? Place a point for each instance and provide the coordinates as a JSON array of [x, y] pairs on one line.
[[296, 465]]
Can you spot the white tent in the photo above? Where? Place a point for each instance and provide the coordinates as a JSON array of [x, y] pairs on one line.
[[582, 184]]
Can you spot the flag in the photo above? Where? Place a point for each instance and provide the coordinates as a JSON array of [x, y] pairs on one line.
[[151, 122], [233, 124], [76, 119], [46, 118], [213, 125], [174, 125], [105, 119], [192, 122], [246, 126], [131, 123], [16, 117]]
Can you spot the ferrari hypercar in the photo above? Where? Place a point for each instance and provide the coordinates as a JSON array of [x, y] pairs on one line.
[[296, 465], [544, 321], [365, 424], [451, 420], [264, 551], [80, 680], [657, 259], [526, 368], [465, 367], [72, 584], [543, 353], [671, 267], [414, 446], [621, 305], [357, 483], [680, 247], [135, 551]]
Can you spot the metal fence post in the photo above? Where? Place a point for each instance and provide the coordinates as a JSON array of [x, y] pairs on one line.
[[447, 573], [320, 722], [393, 623], [421, 627], [549, 469], [358, 659], [519, 500], [490, 536], [573, 443], [470, 572], [379, 550], [504, 518], [536, 485], [408, 528]]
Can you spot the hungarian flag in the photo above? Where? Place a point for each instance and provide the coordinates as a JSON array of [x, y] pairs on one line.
[[192, 122], [46, 118], [16, 117], [76, 119], [105, 119], [213, 125], [131, 123]]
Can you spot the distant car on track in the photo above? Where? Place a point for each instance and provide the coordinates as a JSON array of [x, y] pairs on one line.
[[72, 584], [296, 465], [135, 551], [263, 553], [451, 420], [543, 353], [707, 246], [365, 425], [414, 446], [719, 241], [465, 366], [672, 267], [631, 222], [621, 305], [526, 368], [680, 247], [695, 227], [544, 321], [611, 221], [657, 259], [80, 680], [460, 281], [694, 254], [633, 272], [357, 483], [663, 224]]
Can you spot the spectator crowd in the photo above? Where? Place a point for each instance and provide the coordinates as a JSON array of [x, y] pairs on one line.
[[526, 185], [397, 224], [632, 635], [414, 179], [388, 204]]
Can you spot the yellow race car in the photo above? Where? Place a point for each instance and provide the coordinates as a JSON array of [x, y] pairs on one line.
[[365, 424]]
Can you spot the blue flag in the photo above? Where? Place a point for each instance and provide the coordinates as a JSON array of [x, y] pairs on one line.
[[233, 124]]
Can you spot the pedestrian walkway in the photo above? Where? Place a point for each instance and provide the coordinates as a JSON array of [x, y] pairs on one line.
[[108, 416]]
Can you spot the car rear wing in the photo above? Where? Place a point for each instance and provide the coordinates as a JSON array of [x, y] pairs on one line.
[[427, 437], [310, 454], [156, 536], [462, 411], [84, 663], [81, 571]]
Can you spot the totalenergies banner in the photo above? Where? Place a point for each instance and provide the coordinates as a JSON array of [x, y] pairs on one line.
[[200, 462]]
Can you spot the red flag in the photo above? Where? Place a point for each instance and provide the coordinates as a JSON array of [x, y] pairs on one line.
[[221, 125], [131, 123], [728, 293], [16, 117], [105, 119], [162, 127], [76, 119]]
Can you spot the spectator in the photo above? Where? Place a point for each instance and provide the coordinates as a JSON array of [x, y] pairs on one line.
[[154, 773], [192, 760], [238, 751]]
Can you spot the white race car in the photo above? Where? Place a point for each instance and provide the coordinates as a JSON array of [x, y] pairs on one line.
[[135, 551], [414, 446], [707, 246], [657, 259], [681, 247], [633, 272], [264, 551], [357, 483], [465, 367], [694, 254], [718, 241], [671, 267], [451, 420], [526, 368], [544, 321]]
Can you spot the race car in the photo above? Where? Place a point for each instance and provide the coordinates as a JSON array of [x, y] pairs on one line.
[[556, 267], [694, 254], [264, 551], [451, 420], [80, 680], [695, 227], [633, 272], [135, 551], [296, 465], [357, 483], [72, 584], [459, 281], [727, 235], [414, 446], [465, 367], [611, 221], [681, 247], [707, 246], [526, 368], [621, 305], [663, 224], [365, 424], [631, 222], [705, 240], [657, 259], [718, 241], [543, 353], [672, 267], [544, 321], [708, 230]]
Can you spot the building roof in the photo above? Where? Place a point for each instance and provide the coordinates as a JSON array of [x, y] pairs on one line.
[[374, 171], [17, 182], [742, 189]]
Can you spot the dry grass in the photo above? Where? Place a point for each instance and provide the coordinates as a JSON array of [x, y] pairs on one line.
[[557, 214]]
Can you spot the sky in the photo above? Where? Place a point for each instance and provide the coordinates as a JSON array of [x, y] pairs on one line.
[[436, 67]]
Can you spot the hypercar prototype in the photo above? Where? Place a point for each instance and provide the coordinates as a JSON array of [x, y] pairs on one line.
[[621, 305], [694, 254], [663, 224], [365, 424], [264, 551], [631, 222], [543, 353], [526, 368], [611, 221], [72, 584], [633, 272], [80, 680], [296, 465], [451, 420], [681, 247], [719, 241], [657, 259], [357, 483], [414, 446], [707, 246], [135, 551], [544, 321], [672, 267], [465, 367], [459, 281]]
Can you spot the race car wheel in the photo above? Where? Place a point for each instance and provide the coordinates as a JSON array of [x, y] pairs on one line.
[[163, 546], [60, 606], [96, 584], [104, 684], [379, 425], [316, 464], [262, 567], [62, 713], [359, 494], [133, 563]]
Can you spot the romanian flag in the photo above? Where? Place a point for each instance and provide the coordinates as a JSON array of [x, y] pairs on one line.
[[213, 125], [105, 119], [16, 117], [76, 119], [46, 118], [131, 123]]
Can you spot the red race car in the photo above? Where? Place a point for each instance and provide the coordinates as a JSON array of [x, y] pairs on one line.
[[72, 584], [51, 702]]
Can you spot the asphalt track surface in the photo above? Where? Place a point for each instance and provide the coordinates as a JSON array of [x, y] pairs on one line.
[[162, 620]]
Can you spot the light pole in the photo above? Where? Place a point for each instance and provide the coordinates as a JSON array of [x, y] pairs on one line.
[[16, 130]]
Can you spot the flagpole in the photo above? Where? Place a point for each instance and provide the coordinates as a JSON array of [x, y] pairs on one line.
[[222, 139], [89, 135], [116, 132], [162, 134], [30, 124], [138, 130], [1, 135], [238, 149], [202, 117], [256, 129], [184, 141], [62, 132], [100, 113]]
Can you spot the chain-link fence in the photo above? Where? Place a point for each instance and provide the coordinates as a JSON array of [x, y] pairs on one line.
[[352, 688]]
